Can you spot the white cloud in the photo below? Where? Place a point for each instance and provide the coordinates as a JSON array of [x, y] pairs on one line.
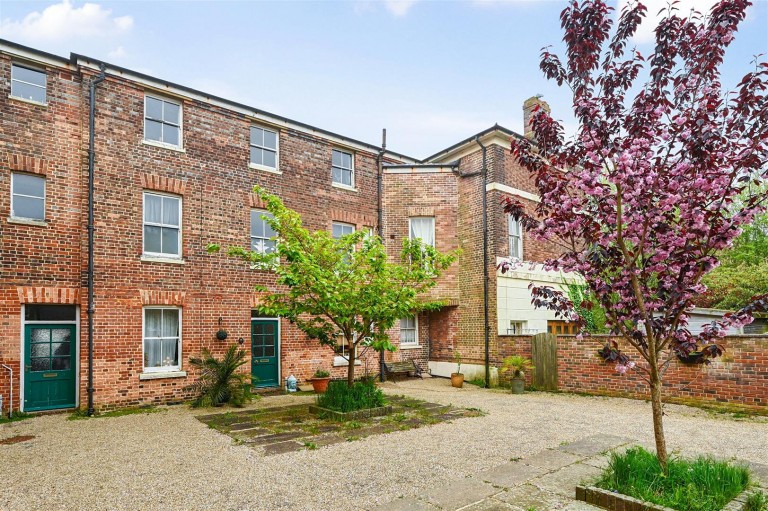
[[399, 7], [63, 21], [645, 32], [117, 53]]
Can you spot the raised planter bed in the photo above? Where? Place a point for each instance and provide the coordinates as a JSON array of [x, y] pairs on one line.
[[348, 416], [617, 502]]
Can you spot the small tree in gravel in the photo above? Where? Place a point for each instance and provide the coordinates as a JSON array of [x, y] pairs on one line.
[[659, 178], [342, 291]]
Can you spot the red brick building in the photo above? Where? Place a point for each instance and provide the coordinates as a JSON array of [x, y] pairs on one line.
[[173, 170]]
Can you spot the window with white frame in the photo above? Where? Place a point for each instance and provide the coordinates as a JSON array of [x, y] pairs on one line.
[[162, 121], [423, 229], [342, 353], [515, 239], [162, 225], [261, 232], [28, 83], [162, 339], [341, 229], [343, 168], [409, 331], [517, 327], [27, 196], [263, 147]]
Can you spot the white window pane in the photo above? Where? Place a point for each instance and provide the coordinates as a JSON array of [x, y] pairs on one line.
[[170, 211], [514, 247], [170, 240], [153, 319], [256, 155], [27, 91], [346, 177], [514, 226], [27, 207], [269, 159], [257, 225], [257, 244], [153, 207], [154, 109], [153, 130], [152, 239], [336, 175], [171, 134], [170, 353], [336, 161], [28, 75], [170, 323], [269, 232], [270, 139], [171, 112], [346, 160], [269, 246], [152, 353], [25, 184], [336, 231], [424, 229], [257, 136]]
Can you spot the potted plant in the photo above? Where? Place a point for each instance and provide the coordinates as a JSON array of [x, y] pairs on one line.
[[457, 378], [320, 381], [518, 365]]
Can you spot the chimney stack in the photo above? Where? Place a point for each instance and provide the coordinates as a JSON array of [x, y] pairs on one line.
[[528, 107]]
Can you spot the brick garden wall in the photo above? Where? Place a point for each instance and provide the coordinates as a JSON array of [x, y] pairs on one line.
[[740, 377]]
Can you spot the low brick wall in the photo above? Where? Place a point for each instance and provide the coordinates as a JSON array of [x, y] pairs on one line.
[[739, 378]]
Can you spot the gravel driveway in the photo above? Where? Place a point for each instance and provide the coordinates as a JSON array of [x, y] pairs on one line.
[[170, 460]]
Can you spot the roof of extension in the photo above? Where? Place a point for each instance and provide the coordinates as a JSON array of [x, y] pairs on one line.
[[495, 129]]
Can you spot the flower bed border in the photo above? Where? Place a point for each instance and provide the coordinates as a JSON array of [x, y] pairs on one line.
[[354, 415], [617, 502]]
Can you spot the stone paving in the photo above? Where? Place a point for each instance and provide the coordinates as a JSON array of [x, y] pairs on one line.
[[284, 429]]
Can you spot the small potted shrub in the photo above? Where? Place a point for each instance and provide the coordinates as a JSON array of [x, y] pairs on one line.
[[457, 378], [518, 365], [320, 381]]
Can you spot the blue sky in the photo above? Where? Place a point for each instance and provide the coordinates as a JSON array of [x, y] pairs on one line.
[[431, 72]]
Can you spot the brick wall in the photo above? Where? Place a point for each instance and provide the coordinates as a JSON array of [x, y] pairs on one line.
[[740, 377]]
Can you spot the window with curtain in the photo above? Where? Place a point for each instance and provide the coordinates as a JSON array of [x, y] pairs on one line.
[[515, 239], [423, 229], [262, 232], [162, 339], [162, 225], [409, 331]]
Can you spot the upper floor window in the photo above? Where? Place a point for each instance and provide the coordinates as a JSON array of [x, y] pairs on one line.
[[162, 121], [28, 83], [423, 228], [162, 225], [263, 147], [262, 232], [343, 168], [409, 330], [515, 239], [27, 196], [339, 229]]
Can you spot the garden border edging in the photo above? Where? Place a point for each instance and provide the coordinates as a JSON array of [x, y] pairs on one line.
[[617, 502]]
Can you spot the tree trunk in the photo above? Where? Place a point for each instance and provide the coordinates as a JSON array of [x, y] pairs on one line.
[[658, 415], [351, 366]]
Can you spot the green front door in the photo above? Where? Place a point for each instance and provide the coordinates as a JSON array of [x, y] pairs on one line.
[[265, 352], [49, 367]]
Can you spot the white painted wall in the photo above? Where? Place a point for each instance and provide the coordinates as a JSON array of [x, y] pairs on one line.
[[702, 317], [470, 371]]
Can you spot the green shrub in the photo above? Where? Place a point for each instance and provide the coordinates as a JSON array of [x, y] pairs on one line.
[[756, 502], [703, 484], [343, 398], [219, 380]]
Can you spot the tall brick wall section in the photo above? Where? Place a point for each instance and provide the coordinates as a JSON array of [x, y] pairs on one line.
[[740, 377]]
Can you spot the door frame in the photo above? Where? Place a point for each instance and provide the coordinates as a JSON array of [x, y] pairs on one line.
[[278, 348], [23, 348]]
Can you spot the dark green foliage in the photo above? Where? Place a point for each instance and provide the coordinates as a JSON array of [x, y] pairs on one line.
[[756, 502], [702, 484], [219, 381], [343, 398], [15, 416]]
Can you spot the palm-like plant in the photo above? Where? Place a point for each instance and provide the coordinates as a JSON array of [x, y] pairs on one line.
[[517, 365], [219, 381]]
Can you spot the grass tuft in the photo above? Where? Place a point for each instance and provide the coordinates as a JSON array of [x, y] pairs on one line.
[[703, 484], [15, 416], [343, 398], [756, 502]]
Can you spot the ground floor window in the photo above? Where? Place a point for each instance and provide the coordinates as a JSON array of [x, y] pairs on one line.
[[162, 339], [409, 331]]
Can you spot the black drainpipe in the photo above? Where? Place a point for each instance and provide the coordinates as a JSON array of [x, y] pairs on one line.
[[380, 187], [91, 160], [485, 265]]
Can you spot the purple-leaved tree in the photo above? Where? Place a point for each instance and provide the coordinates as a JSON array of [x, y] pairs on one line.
[[658, 179]]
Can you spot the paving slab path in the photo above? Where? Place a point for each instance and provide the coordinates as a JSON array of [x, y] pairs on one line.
[[172, 461]]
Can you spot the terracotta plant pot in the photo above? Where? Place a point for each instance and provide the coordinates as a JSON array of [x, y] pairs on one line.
[[518, 385], [320, 385], [457, 380]]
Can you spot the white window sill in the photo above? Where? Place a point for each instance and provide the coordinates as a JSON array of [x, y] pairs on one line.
[[27, 221], [264, 168], [343, 362], [169, 260], [344, 187], [410, 346], [164, 146], [25, 100], [160, 375]]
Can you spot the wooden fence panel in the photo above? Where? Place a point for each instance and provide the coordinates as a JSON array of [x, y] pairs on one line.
[[544, 354]]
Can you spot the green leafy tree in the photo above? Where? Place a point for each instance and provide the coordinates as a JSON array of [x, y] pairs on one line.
[[342, 291], [587, 307]]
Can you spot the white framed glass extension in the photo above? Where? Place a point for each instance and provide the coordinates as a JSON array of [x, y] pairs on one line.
[[28, 83], [27, 196], [161, 340], [343, 168], [515, 239], [264, 152], [262, 233], [162, 121], [162, 225], [409, 331]]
